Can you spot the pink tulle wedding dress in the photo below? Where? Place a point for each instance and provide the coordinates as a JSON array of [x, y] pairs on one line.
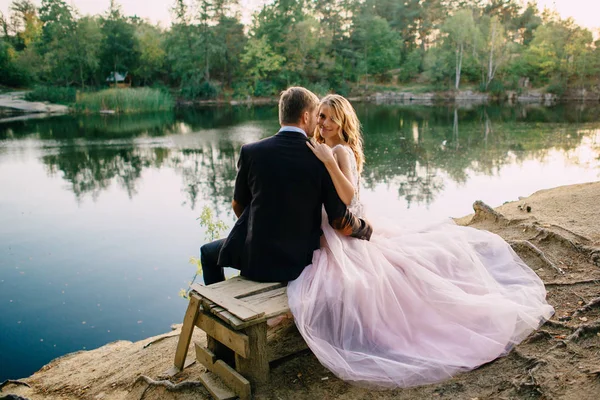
[[414, 306]]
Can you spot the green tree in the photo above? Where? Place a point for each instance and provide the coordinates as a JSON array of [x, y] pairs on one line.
[[150, 47], [461, 34], [494, 48], [378, 46], [260, 60], [26, 23], [86, 43], [183, 52], [119, 43], [231, 40], [56, 43]]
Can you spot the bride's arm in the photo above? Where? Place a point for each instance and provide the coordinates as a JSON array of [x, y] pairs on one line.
[[337, 163]]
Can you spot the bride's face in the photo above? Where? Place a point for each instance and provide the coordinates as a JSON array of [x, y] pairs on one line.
[[327, 127]]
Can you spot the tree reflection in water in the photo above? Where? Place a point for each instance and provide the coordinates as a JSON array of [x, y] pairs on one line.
[[415, 149]]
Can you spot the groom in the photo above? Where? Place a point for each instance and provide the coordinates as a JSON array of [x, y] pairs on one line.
[[279, 192]]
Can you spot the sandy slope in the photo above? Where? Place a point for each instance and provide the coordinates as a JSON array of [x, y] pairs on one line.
[[559, 237]]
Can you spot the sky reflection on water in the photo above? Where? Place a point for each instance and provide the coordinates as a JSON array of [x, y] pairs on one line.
[[98, 215]]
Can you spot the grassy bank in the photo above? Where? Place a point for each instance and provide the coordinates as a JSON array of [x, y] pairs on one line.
[[52, 94], [124, 101]]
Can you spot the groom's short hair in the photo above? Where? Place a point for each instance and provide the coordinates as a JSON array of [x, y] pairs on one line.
[[293, 102]]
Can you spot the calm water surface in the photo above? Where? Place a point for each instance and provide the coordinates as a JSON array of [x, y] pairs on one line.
[[98, 214]]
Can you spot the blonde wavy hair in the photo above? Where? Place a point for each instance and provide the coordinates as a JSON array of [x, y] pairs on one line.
[[345, 116]]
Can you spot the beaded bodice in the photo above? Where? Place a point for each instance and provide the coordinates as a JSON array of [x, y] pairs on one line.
[[355, 206]]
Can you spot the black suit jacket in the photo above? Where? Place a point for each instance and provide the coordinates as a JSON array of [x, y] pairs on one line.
[[282, 186]]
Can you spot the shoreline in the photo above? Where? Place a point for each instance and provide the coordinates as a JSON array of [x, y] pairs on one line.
[[465, 97], [12, 103], [555, 231]]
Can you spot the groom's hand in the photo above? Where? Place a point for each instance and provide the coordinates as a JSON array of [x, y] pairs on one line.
[[238, 208]]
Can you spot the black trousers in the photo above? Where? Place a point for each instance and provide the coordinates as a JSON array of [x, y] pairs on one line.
[[213, 273], [209, 255]]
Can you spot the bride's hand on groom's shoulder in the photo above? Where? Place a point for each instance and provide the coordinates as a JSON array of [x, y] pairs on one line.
[[322, 151]]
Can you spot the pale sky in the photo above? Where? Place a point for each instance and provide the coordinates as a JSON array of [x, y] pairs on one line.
[[585, 12]]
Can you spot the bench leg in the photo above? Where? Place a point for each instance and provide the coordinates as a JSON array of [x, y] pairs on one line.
[[189, 321], [255, 368]]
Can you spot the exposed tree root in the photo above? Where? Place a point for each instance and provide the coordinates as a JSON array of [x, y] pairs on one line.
[[594, 254], [539, 335], [528, 383], [13, 397], [572, 283], [13, 382], [556, 324], [483, 212], [526, 244], [577, 235], [160, 339], [544, 234], [587, 307], [167, 385], [584, 329]]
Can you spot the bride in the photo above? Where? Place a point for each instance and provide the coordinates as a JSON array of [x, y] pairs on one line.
[[409, 307]]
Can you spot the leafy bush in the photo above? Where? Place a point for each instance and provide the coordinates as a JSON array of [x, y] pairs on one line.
[[202, 90], [495, 88], [319, 88], [52, 94], [161, 86], [124, 100], [411, 67], [340, 87], [557, 88], [241, 90], [264, 89], [12, 75]]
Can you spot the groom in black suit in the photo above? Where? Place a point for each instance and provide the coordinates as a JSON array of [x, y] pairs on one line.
[[279, 192]]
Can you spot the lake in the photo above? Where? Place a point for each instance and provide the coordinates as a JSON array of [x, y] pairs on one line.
[[98, 214]]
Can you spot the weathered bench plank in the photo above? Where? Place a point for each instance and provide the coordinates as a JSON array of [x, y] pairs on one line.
[[234, 315], [216, 387], [237, 307], [189, 321], [240, 287], [271, 303], [239, 384], [236, 341]]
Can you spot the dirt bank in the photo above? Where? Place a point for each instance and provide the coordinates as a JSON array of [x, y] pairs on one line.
[[556, 231]]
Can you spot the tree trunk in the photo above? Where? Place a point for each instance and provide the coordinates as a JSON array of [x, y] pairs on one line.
[[115, 73], [490, 74], [81, 74], [488, 127], [366, 69], [459, 57], [455, 128]]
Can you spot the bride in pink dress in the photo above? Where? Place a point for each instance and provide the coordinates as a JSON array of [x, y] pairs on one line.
[[411, 306]]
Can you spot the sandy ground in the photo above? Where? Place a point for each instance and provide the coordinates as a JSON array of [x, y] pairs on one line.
[[557, 232]]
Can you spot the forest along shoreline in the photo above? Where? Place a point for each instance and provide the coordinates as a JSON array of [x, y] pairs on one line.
[[555, 231]]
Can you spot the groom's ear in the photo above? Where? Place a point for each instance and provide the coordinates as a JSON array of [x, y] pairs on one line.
[[305, 117]]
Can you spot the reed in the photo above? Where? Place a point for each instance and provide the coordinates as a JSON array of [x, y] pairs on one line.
[[124, 101]]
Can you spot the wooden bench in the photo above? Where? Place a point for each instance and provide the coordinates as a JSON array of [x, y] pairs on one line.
[[234, 315]]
